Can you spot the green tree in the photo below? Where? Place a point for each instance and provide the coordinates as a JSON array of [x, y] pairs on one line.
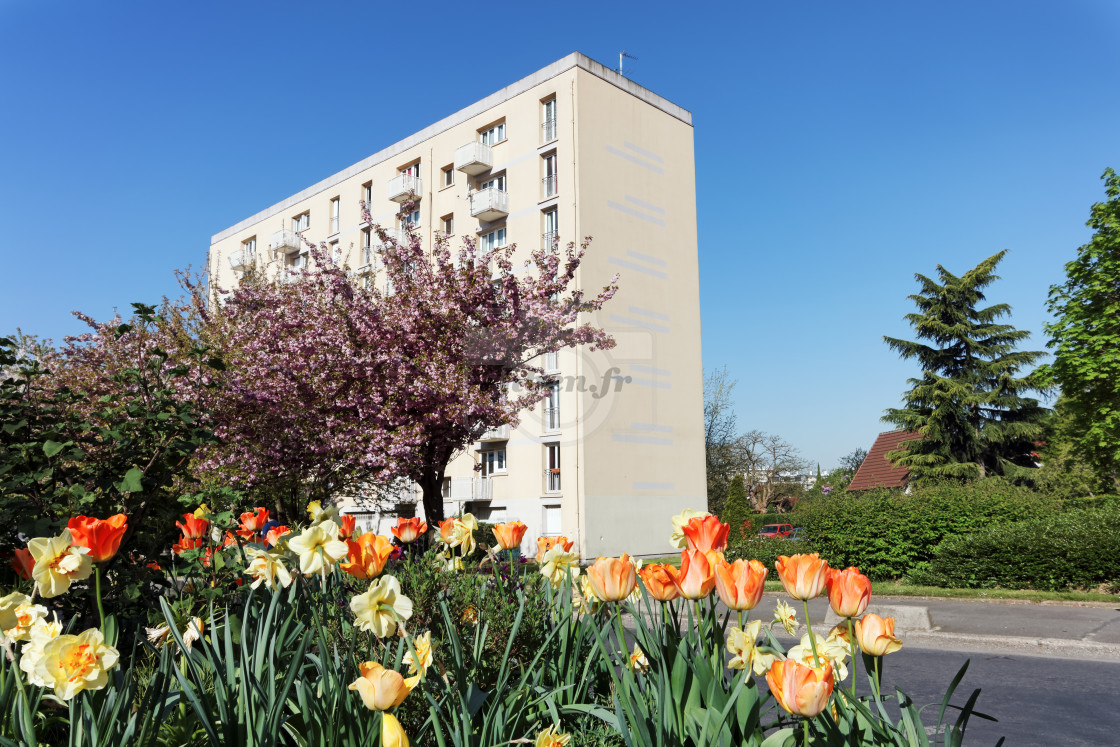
[[737, 509], [1086, 338], [969, 403]]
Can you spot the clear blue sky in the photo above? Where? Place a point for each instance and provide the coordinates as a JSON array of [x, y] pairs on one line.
[[840, 148]]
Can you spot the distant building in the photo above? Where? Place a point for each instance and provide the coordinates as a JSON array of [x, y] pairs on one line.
[[877, 471], [573, 150]]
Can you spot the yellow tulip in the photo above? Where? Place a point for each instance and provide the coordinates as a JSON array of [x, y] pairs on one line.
[[381, 688], [72, 663], [380, 608], [785, 615], [875, 635], [58, 562], [392, 733], [829, 649]]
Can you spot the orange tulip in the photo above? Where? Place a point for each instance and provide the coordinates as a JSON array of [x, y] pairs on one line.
[[849, 591], [254, 521], [447, 530], [706, 533], [346, 528], [612, 579], [660, 581], [409, 530], [510, 534], [367, 555], [801, 690], [195, 526], [273, 535], [697, 577], [23, 563], [544, 544], [186, 543], [875, 635], [802, 575], [740, 584], [103, 538]]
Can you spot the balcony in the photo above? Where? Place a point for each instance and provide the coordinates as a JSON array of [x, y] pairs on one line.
[[241, 260], [552, 480], [469, 489], [549, 241], [473, 158], [405, 187], [287, 242], [548, 131], [501, 433], [551, 418], [489, 204], [549, 186]]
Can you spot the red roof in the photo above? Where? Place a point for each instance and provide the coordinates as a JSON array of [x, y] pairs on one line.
[[876, 471]]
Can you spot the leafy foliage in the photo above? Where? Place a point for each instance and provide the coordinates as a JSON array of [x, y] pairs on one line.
[[1086, 337], [737, 511], [969, 404]]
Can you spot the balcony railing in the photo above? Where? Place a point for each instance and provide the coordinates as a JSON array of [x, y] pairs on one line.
[[549, 184], [548, 241], [551, 418], [473, 158], [286, 241], [404, 187], [469, 489], [552, 480], [489, 204], [501, 433], [548, 131], [242, 259]]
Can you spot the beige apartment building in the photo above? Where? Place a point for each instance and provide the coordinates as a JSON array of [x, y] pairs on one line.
[[573, 150]]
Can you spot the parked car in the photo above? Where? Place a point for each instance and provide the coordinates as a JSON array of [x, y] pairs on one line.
[[797, 535], [776, 530]]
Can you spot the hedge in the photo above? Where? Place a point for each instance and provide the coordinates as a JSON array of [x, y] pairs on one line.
[[888, 534], [1074, 550]]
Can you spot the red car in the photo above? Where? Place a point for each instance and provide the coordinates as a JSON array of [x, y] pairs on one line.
[[776, 530]]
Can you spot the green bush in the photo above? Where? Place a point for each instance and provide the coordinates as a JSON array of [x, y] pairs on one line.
[[1072, 550], [766, 550], [888, 534], [737, 510]]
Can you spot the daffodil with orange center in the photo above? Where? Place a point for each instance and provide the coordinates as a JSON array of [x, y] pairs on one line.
[[659, 580], [612, 579], [803, 576], [58, 563], [101, 538], [740, 584], [696, 577], [510, 534], [72, 663], [849, 591], [801, 690], [367, 555]]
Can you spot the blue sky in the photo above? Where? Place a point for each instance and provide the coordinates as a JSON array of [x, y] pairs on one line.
[[840, 148]]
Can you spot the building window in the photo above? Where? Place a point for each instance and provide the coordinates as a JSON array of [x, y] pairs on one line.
[[493, 135], [552, 470], [249, 249], [447, 223], [367, 195], [448, 175], [411, 220], [493, 240], [336, 206], [552, 407], [551, 234], [548, 120], [550, 521], [367, 246], [495, 182], [552, 364], [298, 261], [412, 170], [548, 181], [301, 222], [493, 462]]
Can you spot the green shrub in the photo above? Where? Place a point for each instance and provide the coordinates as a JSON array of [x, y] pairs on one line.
[[887, 534], [1072, 550], [737, 510], [766, 550]]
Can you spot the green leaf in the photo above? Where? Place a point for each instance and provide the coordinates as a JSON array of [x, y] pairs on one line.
[[132, 482], [50, 448]]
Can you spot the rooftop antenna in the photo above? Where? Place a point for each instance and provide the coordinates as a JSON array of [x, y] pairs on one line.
[[624, 55]]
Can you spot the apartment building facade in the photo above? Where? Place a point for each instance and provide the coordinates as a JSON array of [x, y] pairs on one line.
[[574, 150]]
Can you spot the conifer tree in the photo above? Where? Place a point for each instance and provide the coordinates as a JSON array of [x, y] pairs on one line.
[[969, 403], [737, 508]]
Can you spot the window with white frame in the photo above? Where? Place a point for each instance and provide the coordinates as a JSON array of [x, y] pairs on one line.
[[548, 120], [552, 468], [493, 462], [447, 224], [495, 182], [550, 521], [492, 240], [551, 232], [548, 180], [336, 210], [249, 249], [301, 222], [367, 194], [367, 246], [411, 220], [448, 175], [552, 407], [493, 135], [552, 361], [412, 169]]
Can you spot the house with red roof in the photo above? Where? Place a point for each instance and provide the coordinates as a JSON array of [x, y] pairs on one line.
[[877, 471]]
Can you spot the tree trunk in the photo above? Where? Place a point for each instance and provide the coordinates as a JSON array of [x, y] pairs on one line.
[[432, 491]]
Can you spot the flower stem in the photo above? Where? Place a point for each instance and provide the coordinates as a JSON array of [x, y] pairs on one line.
[[852, 641], [97, 592], [621, 634], [805, 723], [740, 612], [812, 643]]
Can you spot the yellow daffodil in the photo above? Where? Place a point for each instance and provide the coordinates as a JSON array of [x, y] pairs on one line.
[[9, 618], [40, 634], [267, 568], [829, 649], [392, 733], [638, 660], [319, 514], [72, 663], [550, 738], [678, 538], [27, 615], [380, 608], [58, 562], [202, 511], [318, 547], [741, 642], [785, 615], [422, 644], [558, 565]]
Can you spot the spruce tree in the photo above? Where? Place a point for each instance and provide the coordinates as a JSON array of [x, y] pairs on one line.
[[737, 508], [969, 403]]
